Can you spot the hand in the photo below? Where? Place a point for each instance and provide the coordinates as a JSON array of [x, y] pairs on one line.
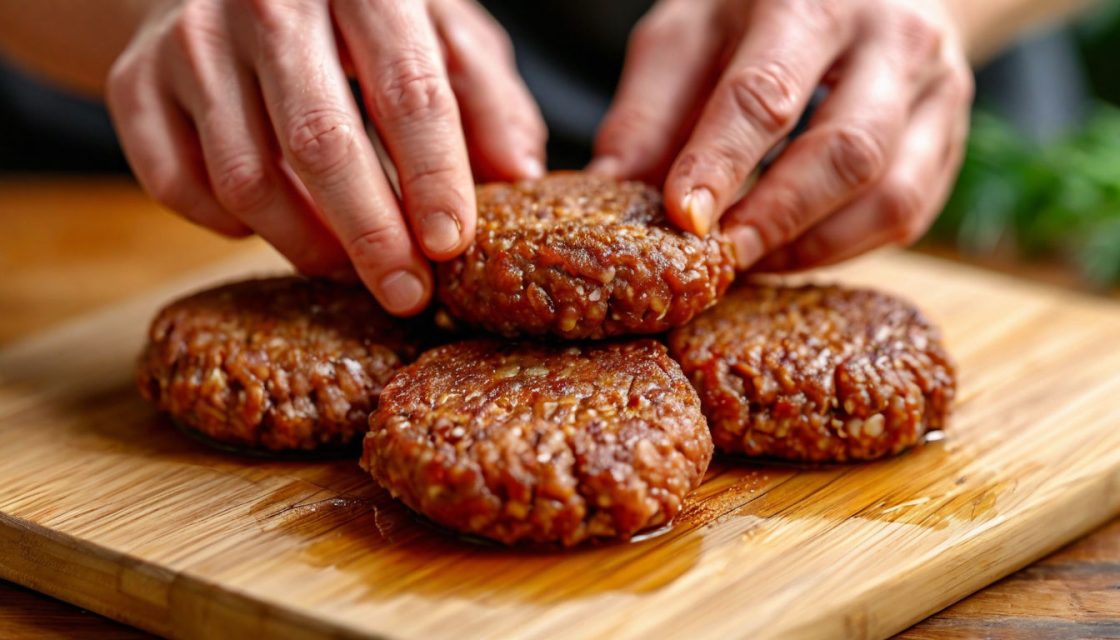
[[711, 86], [238, 115]]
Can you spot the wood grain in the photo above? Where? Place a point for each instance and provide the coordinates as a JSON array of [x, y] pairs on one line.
[[71, 245], [112, 510], [26, 615], [1071, 594], [77, 244]]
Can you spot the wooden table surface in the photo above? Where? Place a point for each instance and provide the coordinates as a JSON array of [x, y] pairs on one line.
[[70, 245]]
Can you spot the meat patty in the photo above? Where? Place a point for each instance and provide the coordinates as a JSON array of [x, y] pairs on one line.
[[541, 443], [578, 256], [816, 373], [276, 364]]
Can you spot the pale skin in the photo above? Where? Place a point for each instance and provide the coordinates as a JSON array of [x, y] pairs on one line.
[[237, 114]]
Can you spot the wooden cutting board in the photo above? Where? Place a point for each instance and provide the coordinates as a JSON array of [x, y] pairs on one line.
[[102, 504]]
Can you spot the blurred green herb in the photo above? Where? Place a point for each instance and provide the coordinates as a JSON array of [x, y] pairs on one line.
[[1058, 202]]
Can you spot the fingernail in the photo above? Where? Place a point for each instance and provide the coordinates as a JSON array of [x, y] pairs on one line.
[[700, 206], [440, 232], [401, 291], [605, 165], [747, 243], [532, 167]]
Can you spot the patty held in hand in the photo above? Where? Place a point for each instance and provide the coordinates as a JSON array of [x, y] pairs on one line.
[[277, 364], [578, 256], [541, 443], [820, 374]]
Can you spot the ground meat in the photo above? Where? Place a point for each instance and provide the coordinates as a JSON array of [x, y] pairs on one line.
[[816, 373], [277, 364], [541, 443], [578, 256]]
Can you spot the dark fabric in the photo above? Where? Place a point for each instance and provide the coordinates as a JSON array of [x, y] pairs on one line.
[[46, 129], [570, 53]]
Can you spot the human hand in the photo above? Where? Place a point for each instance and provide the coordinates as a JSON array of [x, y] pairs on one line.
[[238, 115], [711, 86]]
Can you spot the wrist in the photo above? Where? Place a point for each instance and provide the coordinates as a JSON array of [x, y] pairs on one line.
[[72, 43], [988, 26]]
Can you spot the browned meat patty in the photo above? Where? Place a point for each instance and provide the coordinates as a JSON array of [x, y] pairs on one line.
[[541, 443], [578, 256], [816, 373], [277, 364]]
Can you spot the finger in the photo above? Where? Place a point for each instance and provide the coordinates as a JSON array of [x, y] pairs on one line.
[[902, 204], [670, 61], [162, 148], [317, 124], [504, 129], [756, 103], [410, 101], [240, 153], [848, 146]]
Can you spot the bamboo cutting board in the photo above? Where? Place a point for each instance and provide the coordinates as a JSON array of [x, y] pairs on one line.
[[102, 504]]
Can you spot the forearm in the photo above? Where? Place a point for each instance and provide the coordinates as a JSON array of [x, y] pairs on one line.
[[70, 42], [990, 25]]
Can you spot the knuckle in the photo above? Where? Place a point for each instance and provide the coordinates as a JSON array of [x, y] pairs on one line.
[[718, 167], [272, 17], [917, 33], [858, 156], [436, 170], [411, 88], [165, 185], [963, 85], [503, 46], [276, 24], [243, 185], [786, 213], [651, 31], [901, 206], [532, 126], [120, 85], [522, 127], [195, 31], [765, 94], [823, 16], [376, 245], [499, 40], [627, 130], [262, 10], [321, 141]]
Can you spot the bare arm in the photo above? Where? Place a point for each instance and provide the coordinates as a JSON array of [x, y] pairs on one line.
[[987, 26], [72, 42]]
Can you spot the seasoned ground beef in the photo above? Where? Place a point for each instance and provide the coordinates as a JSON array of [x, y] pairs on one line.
[[577, 256], [522, 442], [277, 364], [816, 373]]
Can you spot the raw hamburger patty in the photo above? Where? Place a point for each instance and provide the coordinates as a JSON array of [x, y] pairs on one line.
[[578, 256], [539, 443], [816, 373], [280, 364]]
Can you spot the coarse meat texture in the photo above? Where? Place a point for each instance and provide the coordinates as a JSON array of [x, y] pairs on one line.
[[816, 373], [581, 257], [277, 364], [537, 443]]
